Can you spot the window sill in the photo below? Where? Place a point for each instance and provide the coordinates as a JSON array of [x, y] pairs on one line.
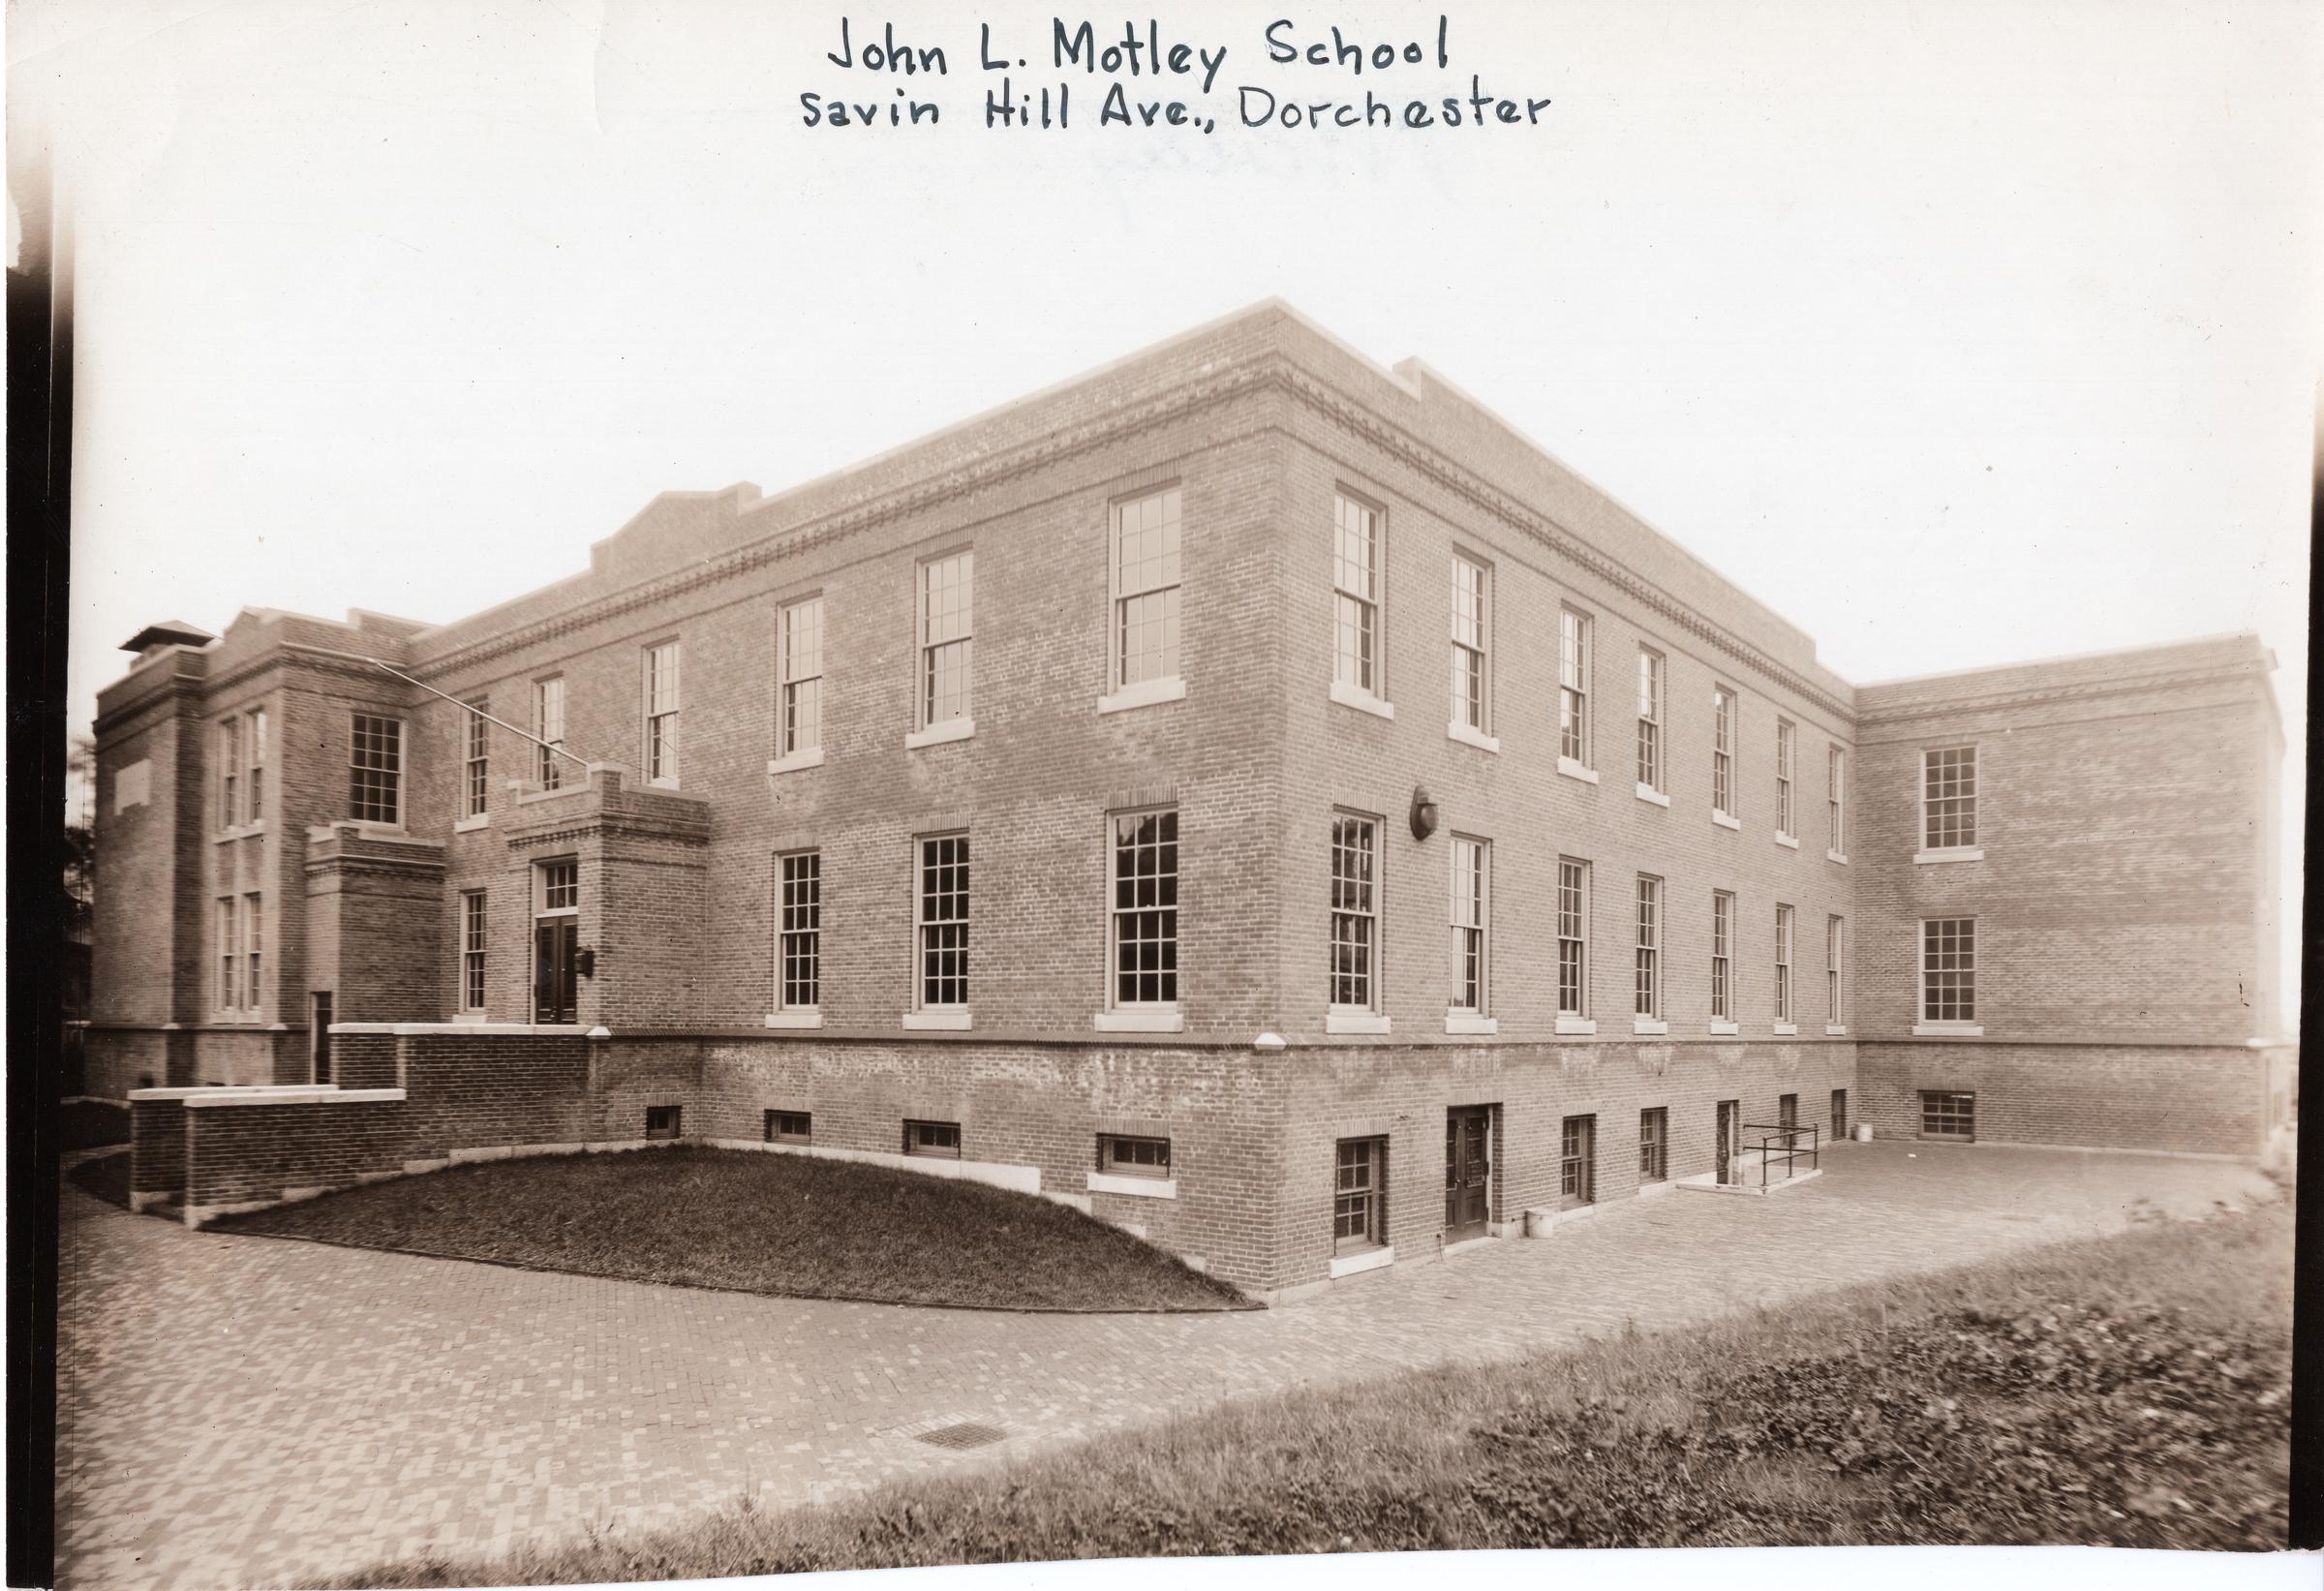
[[1471, 1026], [1953, 853], [1360, 699], [1727, 820], [1583, 1025], [1355, 1021], [939, 1022], [1834, 1030], [1647, 792], [471, 824], [1478, 738], [1947, 1030], [1137, 1187], [1786, 841], [1144, 693], [1653, 1026], [667, 782], [811, 757], [1787, 1029], [1724, 1030], [794, 1019], [1158, 1019], [241, 831], [937, 734], [1575, 770], [1371, 1259], [1840, 857]]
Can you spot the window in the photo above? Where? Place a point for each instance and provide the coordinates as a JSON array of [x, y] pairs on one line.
[[1470, 619], [1723, 751], [1355, 918], [251, 933], [1786, 1111], [1785, 738], [1654, 1145], [947, 589], [1835, 930], [789, 1127], [255, 799], [799, 933], [1145, 589], [229, 773], [1783, 963], [560, 887], [1469, 920], [473, 934], [799, 677], [1120, 1156], [1949, 798], [1355, 594], [548, 723], [1723, 941], [943, 923], [1573, 938], [1650, 719], [376, 768], [662, 1120], [1948, 969], [1949, 1114], [1577, 1161], [1359, 1196], [1649, 1001], [940, 1139], [475, 785], [662, 714], [230, 961], [1574, 687], [1838, 1112], [1146, 909], [1835, 789]]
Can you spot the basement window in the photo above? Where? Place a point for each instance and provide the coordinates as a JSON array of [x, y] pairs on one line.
[[789, 1127], [1118, 1156], [939, 1139], [1948, 1115], [662, 1120]]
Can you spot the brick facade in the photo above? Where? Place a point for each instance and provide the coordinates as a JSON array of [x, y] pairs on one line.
[[2126, 960]]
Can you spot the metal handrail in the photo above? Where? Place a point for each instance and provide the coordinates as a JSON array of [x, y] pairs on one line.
[[1790, 1135]]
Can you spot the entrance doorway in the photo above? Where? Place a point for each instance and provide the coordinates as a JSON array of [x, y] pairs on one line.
[[1468, 1173]]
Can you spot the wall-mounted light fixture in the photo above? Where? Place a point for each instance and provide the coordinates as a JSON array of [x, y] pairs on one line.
[[584, 963], [1423, 813]]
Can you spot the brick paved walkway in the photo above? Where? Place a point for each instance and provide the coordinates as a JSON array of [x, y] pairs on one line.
[[248, 1411]]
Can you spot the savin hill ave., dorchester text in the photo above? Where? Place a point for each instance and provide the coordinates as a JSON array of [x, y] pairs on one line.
[[1184, 75]]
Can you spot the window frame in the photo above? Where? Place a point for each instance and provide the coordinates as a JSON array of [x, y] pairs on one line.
[[1835, 969], [1835, 799], [924, 1137], [1369, 915], [1787, 745], [394, 774], [254, 937], [1646, 991], [1723, 956], [926, 651], [803, 867], [1577, 1160], [1370, 605], [1838, 1114], [1364, 1201], [794, 685], [1574, 914], [254, 751], [1165, 845], [548, 713], [1956, 1006], [1172, 590], [1786, 932], [475, 936], [1724, 722], [1958, 819], [1108, 1164], [1654, 1145], [773, 1126], [229, 770], [1941, 1104], [1470, 912], [1577, 659], [927, 953], [662, 726], [1652, 696], [1470, 692], [475, 759]]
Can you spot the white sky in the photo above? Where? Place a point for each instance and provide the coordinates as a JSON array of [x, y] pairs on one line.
[[1960, 333]]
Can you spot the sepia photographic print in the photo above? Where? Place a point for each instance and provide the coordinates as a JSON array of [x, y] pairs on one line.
[[838, 789]]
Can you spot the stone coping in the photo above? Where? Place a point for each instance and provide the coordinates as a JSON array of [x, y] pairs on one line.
[[322, 1094], [200, 1089], [576, 1029]]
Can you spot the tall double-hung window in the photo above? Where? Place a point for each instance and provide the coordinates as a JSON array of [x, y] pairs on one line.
[[1472, 590], [799, 933], [1723, 752], [1573, 938], [1650, 719], [1722, 953], [229, 773], [1356, 595], [799, 677], [662, 714], [375, 776], [1835, 794], [947, 638], [1145, 909], [476, 766], [1470, 915], [1146, 569], [1573, 646], [1648, 1002], [943, 923], [548, 723], [1354, 913], [1786, 740], [1783, 963], [1948, 787]]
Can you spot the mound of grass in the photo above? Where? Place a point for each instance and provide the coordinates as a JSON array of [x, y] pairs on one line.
[[2127, 1391], [784, 1224]]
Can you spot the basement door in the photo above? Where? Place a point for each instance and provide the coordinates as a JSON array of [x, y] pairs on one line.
[[1729, 1127], [1468, 1173]]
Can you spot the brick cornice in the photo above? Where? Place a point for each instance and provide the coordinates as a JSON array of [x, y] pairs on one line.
[[2088, 690], [1272, 371]]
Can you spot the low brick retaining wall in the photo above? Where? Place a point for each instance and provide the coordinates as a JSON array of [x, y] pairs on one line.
[[246, 1151]]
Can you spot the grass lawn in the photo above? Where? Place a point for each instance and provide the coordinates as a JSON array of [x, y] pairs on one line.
[[785, 1224], [2129, 1390]]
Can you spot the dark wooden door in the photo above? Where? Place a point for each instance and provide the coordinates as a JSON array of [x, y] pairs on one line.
[[555, 939], [319, 1033], [1728, 1125], [1468, 1173]]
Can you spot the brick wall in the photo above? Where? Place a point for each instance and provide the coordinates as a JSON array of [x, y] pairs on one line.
[[248, 1152], [2210, 1100], [483, 1090], [157, 1147]]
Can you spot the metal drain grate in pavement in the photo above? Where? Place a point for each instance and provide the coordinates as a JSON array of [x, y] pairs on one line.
[[961, 1434]]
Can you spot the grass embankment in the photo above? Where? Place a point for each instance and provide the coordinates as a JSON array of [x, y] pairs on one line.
[[2126, 1391], [784, 1224]]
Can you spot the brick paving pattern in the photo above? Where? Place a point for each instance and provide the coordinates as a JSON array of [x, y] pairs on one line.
[[249, 1411]]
